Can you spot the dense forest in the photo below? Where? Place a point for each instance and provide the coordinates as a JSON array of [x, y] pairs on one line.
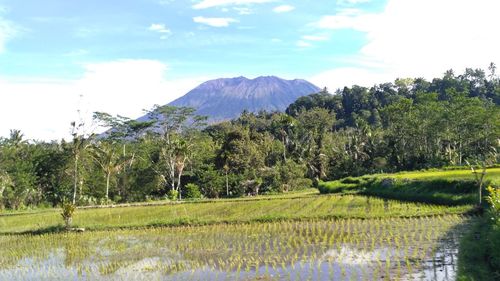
[[406, 125]]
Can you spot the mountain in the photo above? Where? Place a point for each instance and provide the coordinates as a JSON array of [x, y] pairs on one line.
[[225, 98]]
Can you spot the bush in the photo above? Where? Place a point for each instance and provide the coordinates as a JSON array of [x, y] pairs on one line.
[[68, 210], [351, 180], [173, 195], [192, 191], [494, 201]]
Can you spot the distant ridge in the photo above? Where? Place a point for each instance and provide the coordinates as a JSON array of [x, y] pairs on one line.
[[226, 98]]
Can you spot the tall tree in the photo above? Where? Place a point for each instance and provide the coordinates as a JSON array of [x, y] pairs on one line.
[[175, 128]]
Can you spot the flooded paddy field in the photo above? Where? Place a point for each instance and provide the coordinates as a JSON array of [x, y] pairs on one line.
[[423, 248]]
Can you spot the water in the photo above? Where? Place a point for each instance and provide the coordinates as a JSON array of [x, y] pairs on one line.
[[394, 249]]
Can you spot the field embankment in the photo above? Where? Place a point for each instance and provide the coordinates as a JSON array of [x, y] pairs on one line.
[[452, 187]]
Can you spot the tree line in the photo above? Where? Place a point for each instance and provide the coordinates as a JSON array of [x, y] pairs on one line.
[[406, 125]]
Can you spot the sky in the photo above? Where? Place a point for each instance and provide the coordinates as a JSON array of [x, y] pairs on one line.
[[62, 60]]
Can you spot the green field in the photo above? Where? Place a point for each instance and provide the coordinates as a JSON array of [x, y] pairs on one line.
[[357, 234], [228, 211], [326, 249], [451, 187], [492, 174]]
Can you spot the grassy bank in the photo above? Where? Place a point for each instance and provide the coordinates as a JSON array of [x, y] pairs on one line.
[[228, 211], [479, 253], [452, 187]]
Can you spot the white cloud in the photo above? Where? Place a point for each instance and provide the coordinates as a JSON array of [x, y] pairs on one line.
[[76, 53], [217, 3], [165, 2], [348, 19], [214, 22], [124, 87], [303, 44], [416, 38], [7, 32], [352, 2], [315, 37], [159, 27], [243, 10], [283, 9]]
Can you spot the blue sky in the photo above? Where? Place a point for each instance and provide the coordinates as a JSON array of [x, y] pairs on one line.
[[57, 56], [55, 38]]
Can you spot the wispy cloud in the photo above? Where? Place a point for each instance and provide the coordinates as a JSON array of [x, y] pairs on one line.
[[86, 32], [352, 2], [303, 44], [160, 28], [348, 19], [315, 37], [204, 4], [165, 2], [7, 30], [283, 9], [214, 22], [76, 53], [243, 10]]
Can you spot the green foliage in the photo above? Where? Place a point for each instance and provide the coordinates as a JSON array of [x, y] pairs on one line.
[[173, 195], [493, 199], [67, 213], [411, 124], [192, 191]]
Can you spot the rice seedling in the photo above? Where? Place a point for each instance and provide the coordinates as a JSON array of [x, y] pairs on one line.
[[229, 211], [310, 249]]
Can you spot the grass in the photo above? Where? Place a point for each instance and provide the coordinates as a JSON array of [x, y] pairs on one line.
[[227, 211], [477, 247], [450, 187]]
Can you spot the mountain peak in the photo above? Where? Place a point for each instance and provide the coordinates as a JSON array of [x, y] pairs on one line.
[[225, 98]]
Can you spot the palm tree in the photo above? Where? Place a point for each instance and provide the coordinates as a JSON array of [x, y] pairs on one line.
[[107, 156]]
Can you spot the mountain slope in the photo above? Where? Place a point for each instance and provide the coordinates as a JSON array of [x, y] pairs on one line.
[[226, 98]]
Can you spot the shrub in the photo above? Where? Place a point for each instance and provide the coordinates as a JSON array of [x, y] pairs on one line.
[[351, 180], [192, 191], [173, 194], [494, 201], [68, 210]]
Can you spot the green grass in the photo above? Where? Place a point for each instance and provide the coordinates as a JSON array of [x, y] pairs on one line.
[[450, 187], [479, 253], [466, 174], [227, 211]]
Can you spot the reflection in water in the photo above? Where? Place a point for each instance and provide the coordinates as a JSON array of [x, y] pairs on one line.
[[391, 249]]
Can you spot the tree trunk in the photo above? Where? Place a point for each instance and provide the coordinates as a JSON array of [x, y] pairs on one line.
[[172, 175], [227, 186], [179, 175], [75, 187], [284, 147], [108, 176]]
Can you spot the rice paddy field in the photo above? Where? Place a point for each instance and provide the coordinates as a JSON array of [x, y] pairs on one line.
[[230, 211], [299, 236], [419, 248]]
